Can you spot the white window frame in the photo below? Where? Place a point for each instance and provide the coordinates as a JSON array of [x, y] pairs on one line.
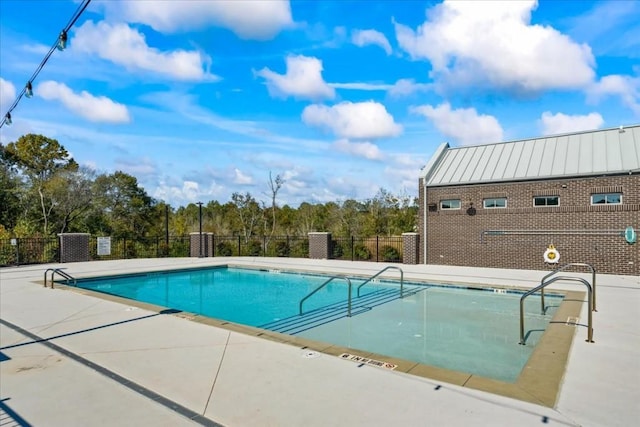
[[484, 203], [450, 208], [546, 200], [606, 202]]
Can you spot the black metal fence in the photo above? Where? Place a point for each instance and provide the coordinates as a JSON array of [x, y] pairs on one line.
[[149, 247], [275, 246], [29, 251], [378, 249], [46, 250]]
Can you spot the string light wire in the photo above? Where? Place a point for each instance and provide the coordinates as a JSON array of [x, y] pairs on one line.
[[6, 118]]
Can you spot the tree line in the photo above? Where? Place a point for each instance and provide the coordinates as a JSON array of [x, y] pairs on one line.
[[43, 191]]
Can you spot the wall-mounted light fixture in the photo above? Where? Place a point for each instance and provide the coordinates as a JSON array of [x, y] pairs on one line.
[[471, 211]]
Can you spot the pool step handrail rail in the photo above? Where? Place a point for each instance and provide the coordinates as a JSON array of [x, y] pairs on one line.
[[53, 271], [548, 282], [382, 271], [564, 267], [325, 284]]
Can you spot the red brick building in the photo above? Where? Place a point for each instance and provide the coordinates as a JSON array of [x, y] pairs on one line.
[[502, 205]]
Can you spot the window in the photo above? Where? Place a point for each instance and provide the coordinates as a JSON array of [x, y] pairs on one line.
[[606, 199], [450, 204], [500, 202], [546, 201]]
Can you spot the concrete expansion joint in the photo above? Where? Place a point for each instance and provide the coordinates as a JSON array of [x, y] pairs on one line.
[[215, 378]]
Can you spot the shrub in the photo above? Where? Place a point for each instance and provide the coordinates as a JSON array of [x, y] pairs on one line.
[[390, 254], [300, 249], [224, 249], [337, 251], [282, 249], [361, 253], [254, 248]]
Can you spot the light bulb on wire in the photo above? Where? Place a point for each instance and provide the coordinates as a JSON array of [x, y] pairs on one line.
[[62, 40]]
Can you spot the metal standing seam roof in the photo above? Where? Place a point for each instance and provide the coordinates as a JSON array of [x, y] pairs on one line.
[[600, 152]]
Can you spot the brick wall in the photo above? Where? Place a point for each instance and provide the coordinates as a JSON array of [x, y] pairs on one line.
[[74, 247], [319, 245], [577, 229], [410, 248]]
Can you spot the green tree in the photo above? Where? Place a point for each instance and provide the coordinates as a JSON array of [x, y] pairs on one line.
[[10, 193], [249, 213], [39, 158], [130, 212], [71, 197], [275, 184], [348, 219]]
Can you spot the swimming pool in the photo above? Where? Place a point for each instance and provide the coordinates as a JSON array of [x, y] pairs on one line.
[[452, 327]]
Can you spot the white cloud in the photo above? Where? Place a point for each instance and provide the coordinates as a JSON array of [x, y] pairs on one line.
[[303, 79], [472, 42], [362, 86], [361, 120], [127, 47], [189, 192], [7, 95], [241, 178], [370, 37], [141, 167], [625, 87], [92, 108], [553, 124], [360, 149], [404, 87], [248, 19], [464, 125]]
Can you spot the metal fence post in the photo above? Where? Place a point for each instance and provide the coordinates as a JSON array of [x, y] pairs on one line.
[[352, 248]]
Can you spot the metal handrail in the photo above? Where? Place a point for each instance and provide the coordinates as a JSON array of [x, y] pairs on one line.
[[61, 273], [325, 284], [541, 286], [382, 271], [564, 267], [45, 275]]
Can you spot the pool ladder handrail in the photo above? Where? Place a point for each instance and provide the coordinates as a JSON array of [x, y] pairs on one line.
[[53, 271], [548, 282], [325, 284], [564, 267], [382, 271]]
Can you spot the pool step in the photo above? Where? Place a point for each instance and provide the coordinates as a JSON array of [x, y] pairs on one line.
[[340, 306], [314, 318]]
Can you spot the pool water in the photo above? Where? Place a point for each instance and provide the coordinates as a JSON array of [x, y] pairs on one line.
[[473, 331]]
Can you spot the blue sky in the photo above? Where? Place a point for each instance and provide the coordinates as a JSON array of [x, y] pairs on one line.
[[201, 99]]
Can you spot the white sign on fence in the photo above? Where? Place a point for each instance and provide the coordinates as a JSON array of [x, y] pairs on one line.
[[14, 242], [104, 245]]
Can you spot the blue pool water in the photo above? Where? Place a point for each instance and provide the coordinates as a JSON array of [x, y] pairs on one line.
[[474, 331]]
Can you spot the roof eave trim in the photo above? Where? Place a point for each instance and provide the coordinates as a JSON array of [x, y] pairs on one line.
[[433, 162], [533, 179]]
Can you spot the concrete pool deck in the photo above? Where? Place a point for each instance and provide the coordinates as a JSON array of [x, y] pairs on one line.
[[70, 358]]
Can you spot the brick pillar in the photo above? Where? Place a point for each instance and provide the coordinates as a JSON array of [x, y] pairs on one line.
[[74, 247], [209, 245], [319, 245], [410, 248], [194, 244]]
